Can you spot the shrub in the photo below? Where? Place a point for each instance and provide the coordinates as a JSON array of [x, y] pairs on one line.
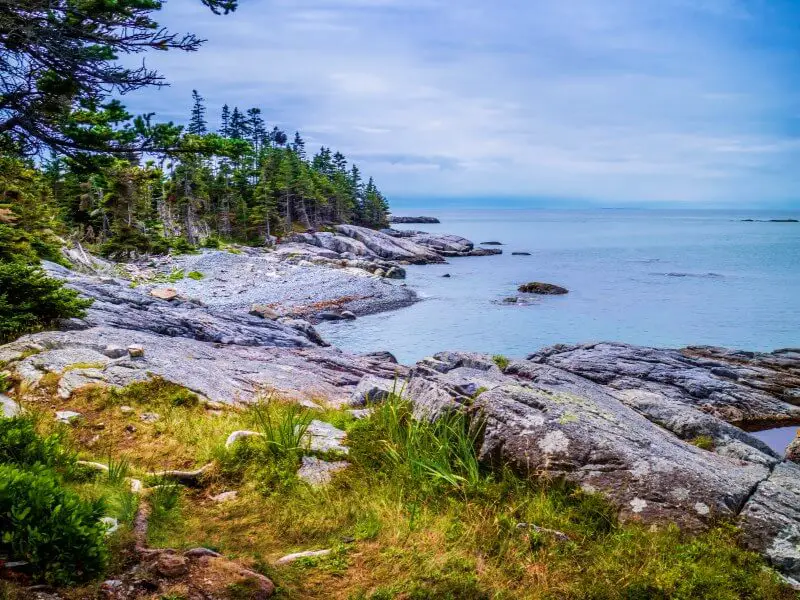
[[50, 527], [501, 361], [30, 300], [21, 445]]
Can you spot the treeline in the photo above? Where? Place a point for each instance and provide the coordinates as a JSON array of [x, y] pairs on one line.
[[244, 182]]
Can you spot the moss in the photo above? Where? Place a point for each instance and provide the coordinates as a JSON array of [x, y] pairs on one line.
[[196, 275], [704, 442]]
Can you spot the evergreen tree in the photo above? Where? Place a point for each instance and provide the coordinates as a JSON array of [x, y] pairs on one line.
[[225, 122], [197, 123], [299, 146]]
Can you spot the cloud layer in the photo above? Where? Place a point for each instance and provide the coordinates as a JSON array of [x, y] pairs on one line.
[[619, 101]]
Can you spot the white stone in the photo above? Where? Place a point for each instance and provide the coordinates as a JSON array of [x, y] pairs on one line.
[[225, 496], [67, 416], [638, 505], [9, 408], [290, 558]]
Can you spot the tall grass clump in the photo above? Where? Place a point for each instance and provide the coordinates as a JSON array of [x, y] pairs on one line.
[[427, 454]]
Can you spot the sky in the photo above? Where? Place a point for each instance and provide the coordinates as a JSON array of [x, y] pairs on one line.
[[611, 102]]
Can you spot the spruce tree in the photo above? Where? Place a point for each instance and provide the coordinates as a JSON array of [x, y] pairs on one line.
[[197, 123], [225, 122]]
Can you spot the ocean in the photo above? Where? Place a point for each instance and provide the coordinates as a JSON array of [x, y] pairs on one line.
[[666, 278]]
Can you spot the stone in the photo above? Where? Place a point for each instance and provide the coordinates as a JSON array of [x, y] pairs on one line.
[[130, 428], [149, 417], [520, 254], [68, 416], [114, 352], [200, 552], [511, 300], [164, 293], [264, 311], [446, 275], [329, 315], [537, 287], [395, 273], [240, 435], [225, 496], [136, 351], [348, 315], [373, 390], [126, 410], [317, 472], [491, 243], [379, 273], [793, 450], [8, 407], [172, 565], [111, 524], [324, 437], [360, 413], [382, 355], [290, 558]]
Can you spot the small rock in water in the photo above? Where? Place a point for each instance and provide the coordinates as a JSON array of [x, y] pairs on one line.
[[164, 293], [537, 287], [136, 351], [67, 416], [520, 254], [511, 300], [446, 275], [346, 314], [329, 315], [491, 243]]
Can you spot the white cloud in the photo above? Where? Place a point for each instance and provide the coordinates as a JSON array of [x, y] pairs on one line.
[[624, 100]]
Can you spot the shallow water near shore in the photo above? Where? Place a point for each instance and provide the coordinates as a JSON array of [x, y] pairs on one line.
[[651, 277]]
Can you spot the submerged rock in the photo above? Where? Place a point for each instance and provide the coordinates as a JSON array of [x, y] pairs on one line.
[[537, 287]]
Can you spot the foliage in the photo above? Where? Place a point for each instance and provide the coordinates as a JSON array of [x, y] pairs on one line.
[[30, 300], [55, 530], [21, 445], [705, 442], [501, 361], [59, 60]]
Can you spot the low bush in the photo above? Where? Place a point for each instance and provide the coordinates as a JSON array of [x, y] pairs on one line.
[[53, 529], [22, 446], [30, 300]]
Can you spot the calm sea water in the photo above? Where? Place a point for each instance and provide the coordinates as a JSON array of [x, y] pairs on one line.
[[659, 278]]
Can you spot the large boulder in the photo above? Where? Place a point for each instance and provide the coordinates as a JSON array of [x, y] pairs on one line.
[[625, 422], [547, 289]]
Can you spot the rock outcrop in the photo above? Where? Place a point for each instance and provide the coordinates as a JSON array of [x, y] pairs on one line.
[[621, 420]]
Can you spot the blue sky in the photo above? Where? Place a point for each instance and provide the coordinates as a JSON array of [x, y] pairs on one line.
[[642, 102]]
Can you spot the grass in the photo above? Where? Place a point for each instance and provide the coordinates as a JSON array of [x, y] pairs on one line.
[[704, 442], [501, 361], [415, 516], [196, 275]]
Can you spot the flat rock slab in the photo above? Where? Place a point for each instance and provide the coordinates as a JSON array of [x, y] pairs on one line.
[[324, 437], [317, 472]]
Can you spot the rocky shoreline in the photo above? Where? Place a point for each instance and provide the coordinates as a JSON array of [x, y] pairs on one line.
[[660, 432]]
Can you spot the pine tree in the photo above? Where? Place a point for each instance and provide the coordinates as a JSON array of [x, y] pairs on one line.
[[299, 146], [238, 126], [197, 123], [225, 120]]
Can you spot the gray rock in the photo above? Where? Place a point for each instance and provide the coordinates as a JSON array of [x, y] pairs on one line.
[[382, 355], [324, 437], [329, 315], [67, 416], [164, 293], [264, 311], [317, 472], [225, 496], [520, 254], [149, 417], [547, 289], [793, 450], [8, 407], [135, 351], [372, 390], [114, 351], [346, 314]]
